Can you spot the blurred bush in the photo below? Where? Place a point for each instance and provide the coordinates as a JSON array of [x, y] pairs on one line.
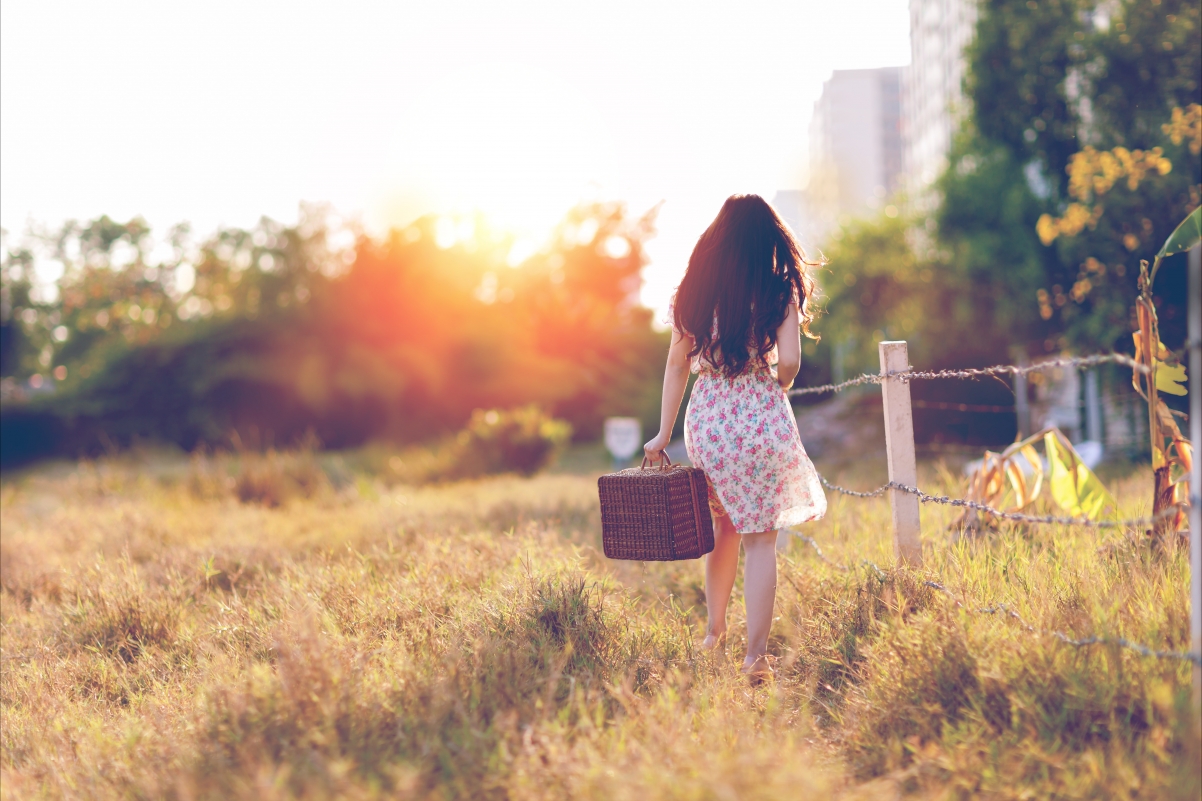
[[522, 440], [273, 478], [208, 477], [258, 336]]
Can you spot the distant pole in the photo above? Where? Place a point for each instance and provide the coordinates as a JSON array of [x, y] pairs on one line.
[[837, 356], [1195, 478], [1093, 406], [899, 448], [1022, 407]]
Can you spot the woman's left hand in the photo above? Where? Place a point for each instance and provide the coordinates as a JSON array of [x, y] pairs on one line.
[[656, 445]]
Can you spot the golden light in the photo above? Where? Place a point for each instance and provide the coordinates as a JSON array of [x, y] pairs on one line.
[[518, 147]]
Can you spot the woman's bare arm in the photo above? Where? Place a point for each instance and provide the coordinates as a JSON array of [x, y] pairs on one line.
[[676, 378], [788, 348]]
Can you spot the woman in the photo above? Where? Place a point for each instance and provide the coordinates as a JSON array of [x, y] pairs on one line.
[[737, 319]]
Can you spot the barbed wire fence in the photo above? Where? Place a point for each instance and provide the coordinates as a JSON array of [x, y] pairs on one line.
[[1135, 522], [1004, 609], [908, 375]]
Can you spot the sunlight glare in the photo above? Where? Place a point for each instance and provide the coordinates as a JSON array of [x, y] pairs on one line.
[[518, 111], [444, 232], [586, 232], [486, 292], [491, 143], [616, 247], [521, 250]]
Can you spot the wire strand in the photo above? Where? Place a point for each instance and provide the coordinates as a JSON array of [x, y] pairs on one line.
[[1060, 636], [944, 500], [1077, 362], [1006, 611]]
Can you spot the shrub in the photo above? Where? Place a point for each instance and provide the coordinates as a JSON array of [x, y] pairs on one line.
[[208, 479], [522, 440], [273, 478]]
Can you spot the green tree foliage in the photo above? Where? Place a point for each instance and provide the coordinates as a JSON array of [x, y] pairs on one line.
[[957, 299], [888, 279], [119, 288], [986, 199], [874, 288], [1046, 81], [1048, 77], [15, 288], [268, 333]]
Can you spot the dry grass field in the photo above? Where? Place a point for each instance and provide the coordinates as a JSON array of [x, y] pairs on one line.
[[281, 629]]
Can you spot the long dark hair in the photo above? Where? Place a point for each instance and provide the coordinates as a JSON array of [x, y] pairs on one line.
[[745, 269]]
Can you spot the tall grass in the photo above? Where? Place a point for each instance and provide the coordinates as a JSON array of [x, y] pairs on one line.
[[360, 638]]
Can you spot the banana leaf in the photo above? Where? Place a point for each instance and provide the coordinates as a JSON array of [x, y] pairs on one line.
[[1188, 234], [1074, 486], [1170, 378]]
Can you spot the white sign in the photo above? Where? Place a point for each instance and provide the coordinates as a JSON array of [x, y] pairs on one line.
[[623, 436]]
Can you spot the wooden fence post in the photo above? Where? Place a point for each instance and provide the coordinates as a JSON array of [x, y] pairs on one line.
[[899, 448]]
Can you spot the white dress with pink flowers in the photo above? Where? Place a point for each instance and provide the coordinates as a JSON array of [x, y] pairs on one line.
[[741, 431]]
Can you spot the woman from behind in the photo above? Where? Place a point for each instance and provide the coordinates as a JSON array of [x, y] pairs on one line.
[[737, 319]]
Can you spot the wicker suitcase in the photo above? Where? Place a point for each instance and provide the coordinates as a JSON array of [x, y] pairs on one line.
[[659, 513]]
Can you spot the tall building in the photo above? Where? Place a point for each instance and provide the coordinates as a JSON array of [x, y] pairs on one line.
[[793, 208], [934, 101], [855, 147]]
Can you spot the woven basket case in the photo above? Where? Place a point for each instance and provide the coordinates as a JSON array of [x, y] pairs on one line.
[[659, 514]]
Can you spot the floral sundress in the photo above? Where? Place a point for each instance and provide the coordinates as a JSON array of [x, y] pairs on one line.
[[741, 431]]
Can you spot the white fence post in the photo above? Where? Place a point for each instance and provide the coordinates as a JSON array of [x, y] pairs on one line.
[[899, 447], [1195, 478]]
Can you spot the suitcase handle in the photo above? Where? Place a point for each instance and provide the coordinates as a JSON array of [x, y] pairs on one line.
[[663, 465]]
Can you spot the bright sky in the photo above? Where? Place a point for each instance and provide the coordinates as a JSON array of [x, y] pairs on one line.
[[219, 112]]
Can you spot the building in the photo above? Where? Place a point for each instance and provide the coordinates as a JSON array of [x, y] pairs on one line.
[[793, 208], [880, 133], [855, 147], [933, 92]]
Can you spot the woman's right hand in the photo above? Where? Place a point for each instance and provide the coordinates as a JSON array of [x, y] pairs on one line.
[[655, 446]]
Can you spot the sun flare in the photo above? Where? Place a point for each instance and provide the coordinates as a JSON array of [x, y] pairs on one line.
[[493, 145]]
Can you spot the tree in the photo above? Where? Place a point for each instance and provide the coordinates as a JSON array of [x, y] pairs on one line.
[[284, 330], [1055, 84]]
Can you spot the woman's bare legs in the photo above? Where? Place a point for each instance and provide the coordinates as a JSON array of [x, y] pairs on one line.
[[759, 588], [721, 565], [759, 594]]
